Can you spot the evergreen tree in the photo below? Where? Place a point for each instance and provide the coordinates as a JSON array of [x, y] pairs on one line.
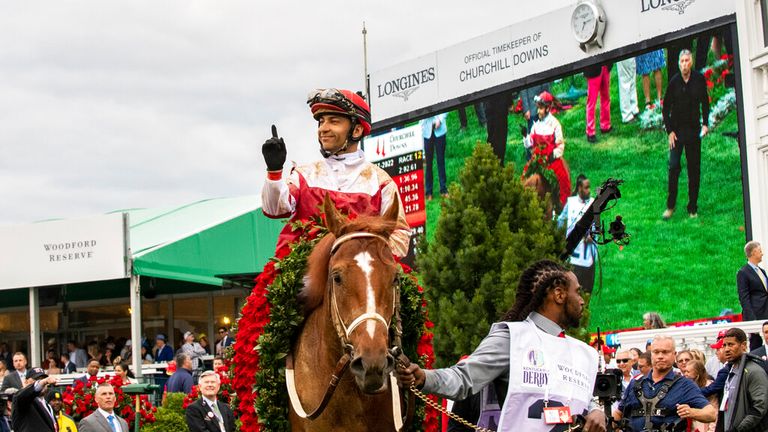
[[488, 232]]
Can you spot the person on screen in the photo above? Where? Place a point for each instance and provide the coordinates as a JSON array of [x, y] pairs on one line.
[[686, 119], [598, 85], [434, 130], [546, 139], [583, 255]]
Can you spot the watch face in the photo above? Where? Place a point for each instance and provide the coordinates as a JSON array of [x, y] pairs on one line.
[[584, 22]]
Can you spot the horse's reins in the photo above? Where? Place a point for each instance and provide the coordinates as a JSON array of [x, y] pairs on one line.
[[343, 332]]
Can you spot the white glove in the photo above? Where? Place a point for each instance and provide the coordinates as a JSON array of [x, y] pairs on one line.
[[558, 152]]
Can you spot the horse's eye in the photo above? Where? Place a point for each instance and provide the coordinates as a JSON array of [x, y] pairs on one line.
[[336, 278]]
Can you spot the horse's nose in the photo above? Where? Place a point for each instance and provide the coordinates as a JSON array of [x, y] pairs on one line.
[[371, 373]]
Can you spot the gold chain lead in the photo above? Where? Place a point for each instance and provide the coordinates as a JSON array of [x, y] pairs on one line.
[[436, 406]]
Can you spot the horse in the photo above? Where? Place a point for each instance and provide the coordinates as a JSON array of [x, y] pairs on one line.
[[349, 300], [541, 186]]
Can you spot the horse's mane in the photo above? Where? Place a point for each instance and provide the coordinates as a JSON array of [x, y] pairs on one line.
[[311, 295]]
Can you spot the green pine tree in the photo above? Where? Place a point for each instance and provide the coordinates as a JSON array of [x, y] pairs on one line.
[[489, 231]]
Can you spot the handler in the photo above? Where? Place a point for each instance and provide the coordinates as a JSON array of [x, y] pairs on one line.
[[546, 376], [355, 185]]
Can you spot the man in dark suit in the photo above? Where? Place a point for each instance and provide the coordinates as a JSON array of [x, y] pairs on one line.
[[208, 414], [761, 351], [92, 372], [31, 413], [16, 377], [69, 367], [225, 341], [752, 282], [104, 419]]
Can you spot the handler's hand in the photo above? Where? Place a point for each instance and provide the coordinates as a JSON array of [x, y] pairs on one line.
[[410, 375], [595, 421], [672, 140], [274, 152], [704, 130]]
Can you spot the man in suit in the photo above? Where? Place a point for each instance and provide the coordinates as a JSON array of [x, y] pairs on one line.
[[761, 350], [225, 341], [16, 377], [69, 367], [77, 355], [208, 414], [92, 372], [104, 419], [31, 413], [752, 282], [163, 353]]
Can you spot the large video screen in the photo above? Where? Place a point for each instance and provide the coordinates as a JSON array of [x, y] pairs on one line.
[[682, 265]]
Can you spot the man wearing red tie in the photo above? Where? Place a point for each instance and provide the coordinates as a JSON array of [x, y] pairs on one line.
[[31, 413], [207, 414]]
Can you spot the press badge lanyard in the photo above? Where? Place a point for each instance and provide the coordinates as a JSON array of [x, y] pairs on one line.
[[555, 415], [727, 391]]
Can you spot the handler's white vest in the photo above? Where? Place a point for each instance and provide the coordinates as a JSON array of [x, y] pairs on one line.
[[562, 369]]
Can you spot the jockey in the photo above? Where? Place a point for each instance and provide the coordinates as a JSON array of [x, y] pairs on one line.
[[354, 185], [546, 138]]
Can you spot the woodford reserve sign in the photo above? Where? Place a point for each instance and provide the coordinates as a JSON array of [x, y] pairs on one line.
[[66, 251], [517, 53]]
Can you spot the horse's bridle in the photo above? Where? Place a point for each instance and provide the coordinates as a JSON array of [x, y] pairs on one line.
[[342, 330]]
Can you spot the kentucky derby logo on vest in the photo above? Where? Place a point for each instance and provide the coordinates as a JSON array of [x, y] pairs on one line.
[[668, 5], [534, 375], [404, 86]]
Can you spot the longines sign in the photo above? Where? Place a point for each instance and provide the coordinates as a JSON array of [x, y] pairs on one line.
[[59, 252], [524, 49]]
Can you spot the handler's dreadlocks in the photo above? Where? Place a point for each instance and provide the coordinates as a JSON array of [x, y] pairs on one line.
[[534, 284]]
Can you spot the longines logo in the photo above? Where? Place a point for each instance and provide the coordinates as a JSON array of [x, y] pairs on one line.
[[678, 6], [404, 86]]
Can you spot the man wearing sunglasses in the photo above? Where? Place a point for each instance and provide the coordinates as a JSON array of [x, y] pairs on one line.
[[357, 187]]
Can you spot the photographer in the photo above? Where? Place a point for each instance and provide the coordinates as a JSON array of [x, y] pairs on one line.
[[31, 413], [662, 400]]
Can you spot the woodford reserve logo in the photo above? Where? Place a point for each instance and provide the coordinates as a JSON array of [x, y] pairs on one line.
[[668, 5], [404, 86], [70, 251]]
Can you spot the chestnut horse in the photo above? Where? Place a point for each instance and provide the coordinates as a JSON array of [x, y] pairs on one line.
[[349, 300]]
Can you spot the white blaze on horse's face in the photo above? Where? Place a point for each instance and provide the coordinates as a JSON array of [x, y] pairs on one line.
[[364, 260]]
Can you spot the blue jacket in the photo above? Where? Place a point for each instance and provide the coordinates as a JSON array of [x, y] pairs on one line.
[[180, 381]]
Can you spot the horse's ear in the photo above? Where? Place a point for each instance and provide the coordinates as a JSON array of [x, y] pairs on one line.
[[333, 219], [393, 212]]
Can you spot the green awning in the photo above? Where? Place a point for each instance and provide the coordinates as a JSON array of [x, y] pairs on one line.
[[195, 242], [183, 248]]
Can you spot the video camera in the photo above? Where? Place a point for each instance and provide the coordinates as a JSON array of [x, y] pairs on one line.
[[590, 223]]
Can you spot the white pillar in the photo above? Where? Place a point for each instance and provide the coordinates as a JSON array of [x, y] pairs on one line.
[[136, 326], [35, 357]]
